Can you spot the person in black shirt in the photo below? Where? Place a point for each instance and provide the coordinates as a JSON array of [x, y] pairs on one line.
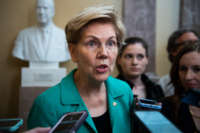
[[131, 63], [183, 108]]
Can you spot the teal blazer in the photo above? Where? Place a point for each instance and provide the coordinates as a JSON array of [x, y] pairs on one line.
[[64, 97]]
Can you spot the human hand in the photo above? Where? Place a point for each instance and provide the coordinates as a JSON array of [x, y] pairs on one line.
[[39, 130]]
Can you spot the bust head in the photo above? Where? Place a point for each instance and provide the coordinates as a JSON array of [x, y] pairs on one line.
[[45, 11]]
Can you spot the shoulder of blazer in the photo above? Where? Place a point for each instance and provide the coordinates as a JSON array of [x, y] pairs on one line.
[[117, 87]]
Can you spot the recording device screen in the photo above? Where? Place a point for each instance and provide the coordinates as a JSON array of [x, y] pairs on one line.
[[10, 125], [69, 122], [147, 103]]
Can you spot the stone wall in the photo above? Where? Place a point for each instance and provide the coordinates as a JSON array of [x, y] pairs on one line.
[[190, 14], [139, 19]]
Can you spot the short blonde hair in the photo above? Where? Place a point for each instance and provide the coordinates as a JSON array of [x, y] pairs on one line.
[[102, 14]]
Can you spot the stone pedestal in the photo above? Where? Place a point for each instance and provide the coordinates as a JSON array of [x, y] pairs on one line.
[[41, 77], [27, 96], [34, 81]]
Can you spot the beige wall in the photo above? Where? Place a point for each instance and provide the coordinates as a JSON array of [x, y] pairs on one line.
[[166, 22], [16, 15]]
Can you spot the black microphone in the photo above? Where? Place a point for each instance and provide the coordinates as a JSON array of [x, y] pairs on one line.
[[69, 122], [192, 97]]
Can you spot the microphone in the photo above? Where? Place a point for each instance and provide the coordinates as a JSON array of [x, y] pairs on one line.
[[192, 97], [152, 122], [70, 122]]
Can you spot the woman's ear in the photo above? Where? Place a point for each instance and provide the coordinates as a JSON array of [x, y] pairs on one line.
[[73, 53]]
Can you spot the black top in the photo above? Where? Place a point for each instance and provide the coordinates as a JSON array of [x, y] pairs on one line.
[[102, 123], [178, 112], [153, 90]]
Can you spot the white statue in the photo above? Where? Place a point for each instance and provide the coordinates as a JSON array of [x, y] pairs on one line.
[[44, 43]]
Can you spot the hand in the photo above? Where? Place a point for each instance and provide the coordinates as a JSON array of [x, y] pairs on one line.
[[39, 130]]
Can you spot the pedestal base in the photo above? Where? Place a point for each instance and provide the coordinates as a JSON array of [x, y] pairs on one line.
[[34, 81], [41, 77], [27, 96]]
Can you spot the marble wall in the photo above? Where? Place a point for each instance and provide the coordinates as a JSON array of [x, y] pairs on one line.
[[140, 20], [190, 14]]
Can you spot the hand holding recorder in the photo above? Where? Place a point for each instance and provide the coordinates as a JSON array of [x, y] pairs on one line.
[[70, 122]]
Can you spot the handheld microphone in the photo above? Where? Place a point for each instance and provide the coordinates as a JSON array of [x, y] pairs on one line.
[[69, 122], [192, 97], [152, 122], [149, 104]]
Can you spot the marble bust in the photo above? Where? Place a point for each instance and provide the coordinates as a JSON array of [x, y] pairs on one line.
[[45, 42]]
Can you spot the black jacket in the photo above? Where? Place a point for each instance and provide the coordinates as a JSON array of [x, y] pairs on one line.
[[178, 112], [153, 90]]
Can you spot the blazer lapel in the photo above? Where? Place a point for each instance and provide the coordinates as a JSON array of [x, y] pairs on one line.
[[72, 98], [113, 104], [113, 111]]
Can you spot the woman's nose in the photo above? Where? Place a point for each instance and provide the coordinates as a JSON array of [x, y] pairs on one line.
[[189, 75], [134, 60], [103, 51]]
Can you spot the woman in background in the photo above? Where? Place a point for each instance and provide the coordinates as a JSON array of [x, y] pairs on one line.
[[174, 45], [131, 63], [183, 108], [93, 37]]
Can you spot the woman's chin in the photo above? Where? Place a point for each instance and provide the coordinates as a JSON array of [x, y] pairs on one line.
[[102, 77]]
